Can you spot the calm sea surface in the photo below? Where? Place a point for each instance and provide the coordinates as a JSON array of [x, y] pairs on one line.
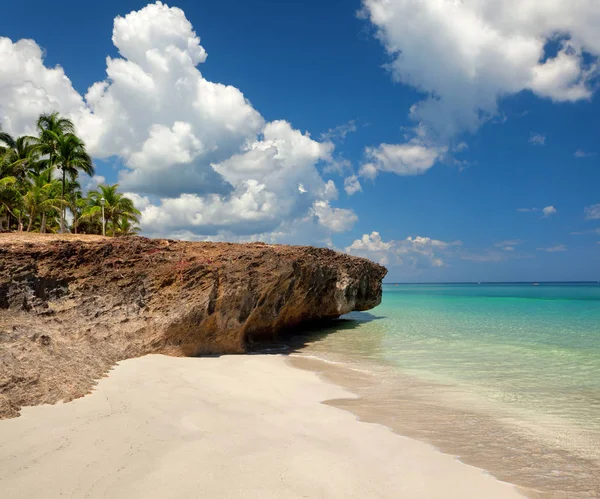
[[507, 377]]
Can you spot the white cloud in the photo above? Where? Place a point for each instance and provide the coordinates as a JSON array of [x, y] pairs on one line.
[[484, 257], [197, 156], [537, 139], [547, 211], [91, 183], [335, 219], [584, 232], [465, 55], [554, 249], [352, 185], [417, 252], [580, 153], [372, 247], [509, 245], [27, 87], [140, 202], [412, 158], [340, 131], [592, 212]]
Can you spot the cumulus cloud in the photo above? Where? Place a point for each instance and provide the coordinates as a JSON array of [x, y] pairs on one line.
[[554, 249], [196, 155], [91, 183], [352, 185], [549, 211], [466, 55], [373, 247], [417, 252], [412, 158], [537, 139], [592, 212], [27, 87], [335, 219]]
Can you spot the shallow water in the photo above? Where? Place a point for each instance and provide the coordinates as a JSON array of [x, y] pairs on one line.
[[507, 377]]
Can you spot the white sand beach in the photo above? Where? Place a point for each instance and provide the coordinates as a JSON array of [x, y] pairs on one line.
[[228, 427]]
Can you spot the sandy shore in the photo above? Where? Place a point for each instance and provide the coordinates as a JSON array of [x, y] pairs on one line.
[[228, 427]]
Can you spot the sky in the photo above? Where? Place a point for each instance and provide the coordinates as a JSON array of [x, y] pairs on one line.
[[448, 140]]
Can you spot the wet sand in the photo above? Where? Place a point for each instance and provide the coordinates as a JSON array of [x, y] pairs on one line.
[[228, 427], [542, 461]]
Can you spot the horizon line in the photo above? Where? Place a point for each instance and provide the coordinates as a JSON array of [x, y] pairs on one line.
[[494, 282]]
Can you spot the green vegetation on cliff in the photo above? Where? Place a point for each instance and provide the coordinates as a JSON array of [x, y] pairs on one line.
[[39, 188]]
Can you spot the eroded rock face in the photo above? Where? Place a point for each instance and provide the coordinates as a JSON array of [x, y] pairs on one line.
[[71, 307]]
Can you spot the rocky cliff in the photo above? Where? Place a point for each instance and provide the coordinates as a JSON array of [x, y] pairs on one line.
[[70, 307]]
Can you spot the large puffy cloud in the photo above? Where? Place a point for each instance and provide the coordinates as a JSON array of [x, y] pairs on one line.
[[467, 54], [197, 157], [417, 252], [27, 87]]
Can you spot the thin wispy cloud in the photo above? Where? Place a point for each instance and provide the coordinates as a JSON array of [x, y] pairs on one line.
[[486, 256], [339, 132], [546, 212], [555, 249], [537, 139], [580, 153], [509, 245], [592, 212], [585, 232]]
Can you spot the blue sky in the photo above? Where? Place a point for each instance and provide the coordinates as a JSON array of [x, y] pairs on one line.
[[507, 128]]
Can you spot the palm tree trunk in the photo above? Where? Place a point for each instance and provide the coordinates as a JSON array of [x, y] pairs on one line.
[[62, 198], [43, 226], [75, 217], [30, 221]]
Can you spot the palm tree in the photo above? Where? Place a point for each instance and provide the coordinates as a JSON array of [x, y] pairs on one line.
[[10, 198], [74, 201], [125, 227], [7, 140], [66, 151], [17, 158], [116, 206], [42, 197], [21, 155]]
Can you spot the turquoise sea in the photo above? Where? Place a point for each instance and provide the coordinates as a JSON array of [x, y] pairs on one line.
[[505, 376]]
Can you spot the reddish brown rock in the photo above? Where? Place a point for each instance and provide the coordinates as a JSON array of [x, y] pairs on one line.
[[72, 306]]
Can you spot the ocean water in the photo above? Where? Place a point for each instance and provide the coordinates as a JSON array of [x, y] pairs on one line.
[[506, 377]]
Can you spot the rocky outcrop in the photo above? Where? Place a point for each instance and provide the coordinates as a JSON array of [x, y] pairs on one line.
[[70, 307]]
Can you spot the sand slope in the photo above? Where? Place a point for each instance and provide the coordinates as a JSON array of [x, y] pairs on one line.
[[228, 427]]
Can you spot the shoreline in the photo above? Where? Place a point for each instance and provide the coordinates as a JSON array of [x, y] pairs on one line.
[[452, 421], [231, 426]]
